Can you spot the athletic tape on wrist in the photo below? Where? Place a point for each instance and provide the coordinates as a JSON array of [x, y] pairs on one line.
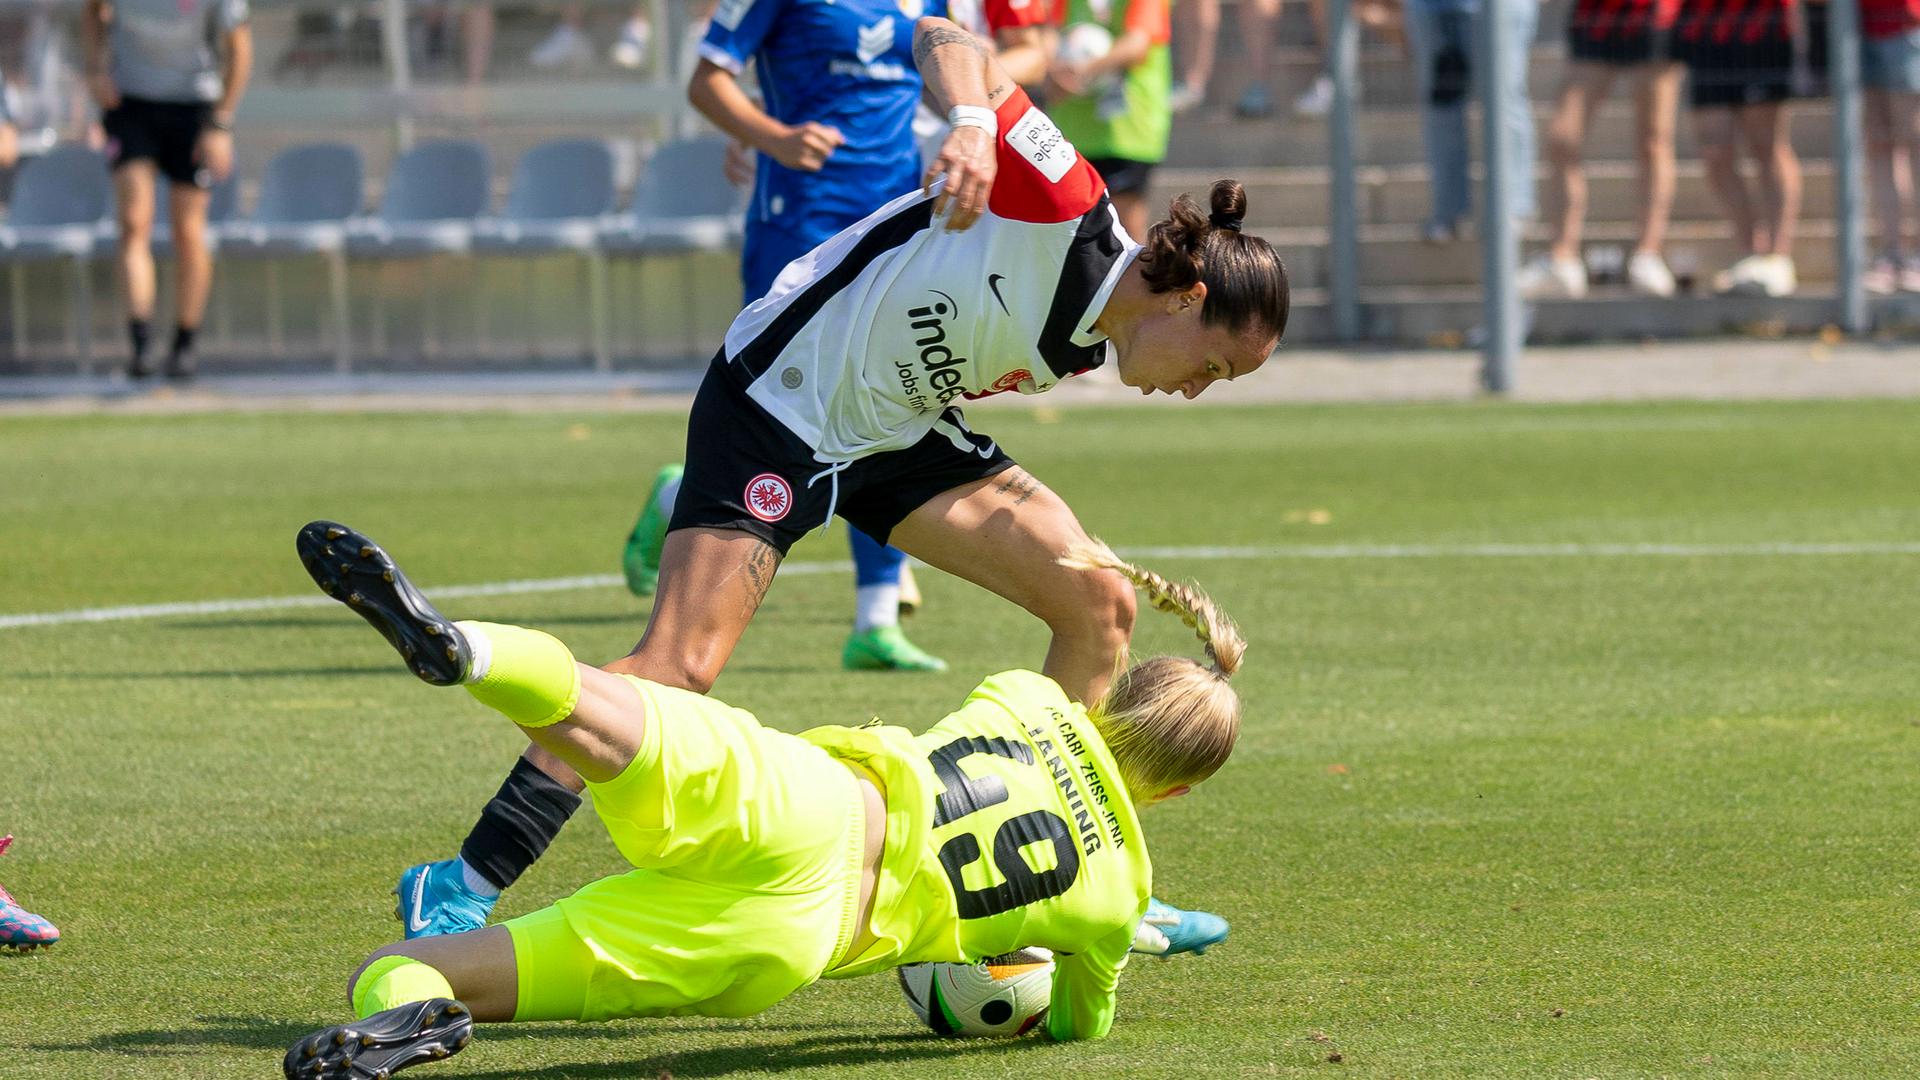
[[974, 116]]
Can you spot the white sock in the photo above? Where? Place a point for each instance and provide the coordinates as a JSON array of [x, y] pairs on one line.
[[475, 882], [875, 605], [669, 491], [482, 648]]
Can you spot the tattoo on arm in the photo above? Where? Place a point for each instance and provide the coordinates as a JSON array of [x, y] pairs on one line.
[[1020, 486], [929, 40], [1002, 90]]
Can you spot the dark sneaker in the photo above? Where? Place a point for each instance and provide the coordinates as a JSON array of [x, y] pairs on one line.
[[384, 1043], [352, 569], [182, 364]]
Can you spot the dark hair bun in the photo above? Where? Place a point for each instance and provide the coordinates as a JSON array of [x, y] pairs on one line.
[[1229, 205]]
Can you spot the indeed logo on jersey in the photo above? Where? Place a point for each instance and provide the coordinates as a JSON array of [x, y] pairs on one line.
[[933, 379]]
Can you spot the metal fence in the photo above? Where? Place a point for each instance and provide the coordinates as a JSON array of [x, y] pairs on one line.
[[1349, 196]]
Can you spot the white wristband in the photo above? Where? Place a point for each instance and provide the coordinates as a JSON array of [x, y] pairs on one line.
[[974, 116]]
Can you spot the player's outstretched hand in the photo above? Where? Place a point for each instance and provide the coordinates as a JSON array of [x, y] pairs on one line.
[[967, 161], [807, 146]]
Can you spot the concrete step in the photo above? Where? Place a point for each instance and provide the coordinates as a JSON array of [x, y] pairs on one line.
[[1393, 256], [1398, 195], [1454, 318], [1391, 136]]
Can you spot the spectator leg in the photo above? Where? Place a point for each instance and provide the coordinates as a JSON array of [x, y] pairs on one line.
[[1720, 156], [133, 185], [1443, 128], [1580, 97], [193, 256], [1198, 32], [1883, 183], [1764, 130], [1656, 105], [1256, 31], [1905, 129], [476, 38]]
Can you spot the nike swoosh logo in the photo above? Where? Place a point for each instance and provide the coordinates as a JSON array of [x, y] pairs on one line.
[[993, 282], [415, 923]]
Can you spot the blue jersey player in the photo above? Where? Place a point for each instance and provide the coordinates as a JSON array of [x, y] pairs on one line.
[[835, 141]]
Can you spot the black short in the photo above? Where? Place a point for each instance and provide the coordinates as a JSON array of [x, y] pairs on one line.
[[1620, 47], [1723, 74], [746, 471], [163, 132], [1124, 176]]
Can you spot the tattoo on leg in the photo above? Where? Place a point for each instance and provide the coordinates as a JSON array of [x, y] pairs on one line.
[[760, 566], [1019, 485]]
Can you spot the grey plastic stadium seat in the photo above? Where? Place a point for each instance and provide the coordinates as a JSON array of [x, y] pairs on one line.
[[682, 202], [60, 204], [561, 192], [435, 194], [561, 196], [307, 195]]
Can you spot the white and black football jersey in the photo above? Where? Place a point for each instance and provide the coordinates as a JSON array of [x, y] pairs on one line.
[[864, 341]]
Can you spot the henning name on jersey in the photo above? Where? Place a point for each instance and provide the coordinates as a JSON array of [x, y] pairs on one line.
[[1064, 776]]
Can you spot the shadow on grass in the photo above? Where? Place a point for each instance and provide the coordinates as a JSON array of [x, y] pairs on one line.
[[770, 1056], [215, 673], [784, 1047]]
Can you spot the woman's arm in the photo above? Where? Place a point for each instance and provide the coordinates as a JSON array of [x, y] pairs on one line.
[[965, 82], [716, 93]]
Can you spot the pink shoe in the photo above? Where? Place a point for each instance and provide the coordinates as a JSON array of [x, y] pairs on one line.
[[19, 928]]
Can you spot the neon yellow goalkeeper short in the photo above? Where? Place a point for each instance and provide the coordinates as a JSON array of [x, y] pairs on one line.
[[748, 845]]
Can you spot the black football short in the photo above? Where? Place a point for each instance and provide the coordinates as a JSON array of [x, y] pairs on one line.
[[746, 471], [166, 133], [1124, 176]]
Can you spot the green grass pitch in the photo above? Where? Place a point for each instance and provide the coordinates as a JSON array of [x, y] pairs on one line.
[[1554, 815]]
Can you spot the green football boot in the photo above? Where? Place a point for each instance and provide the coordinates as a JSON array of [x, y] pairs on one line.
[[640, 562], [885, 648]]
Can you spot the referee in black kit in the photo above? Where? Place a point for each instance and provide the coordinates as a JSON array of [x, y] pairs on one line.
[[167, 75]]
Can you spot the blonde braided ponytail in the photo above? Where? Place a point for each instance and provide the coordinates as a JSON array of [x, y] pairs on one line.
[[1170, 721], [1195, 608]]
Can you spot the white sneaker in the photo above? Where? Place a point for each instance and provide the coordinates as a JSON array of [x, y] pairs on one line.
[[1759, 275], [1186, 97], [565, 47], [1547, 278], [1882, 276], [1318, 99], [631, 50], [1648, 275], [1910, 274]]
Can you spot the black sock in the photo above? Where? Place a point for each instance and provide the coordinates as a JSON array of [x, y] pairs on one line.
[[518, 823], [139, 332], [183, 339]]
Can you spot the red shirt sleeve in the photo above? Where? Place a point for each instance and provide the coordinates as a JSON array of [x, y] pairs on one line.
[[1015, 14], [1041, 177], [1149, 17]]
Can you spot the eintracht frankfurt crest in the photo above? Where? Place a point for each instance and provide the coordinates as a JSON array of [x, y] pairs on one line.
[[768, 497]]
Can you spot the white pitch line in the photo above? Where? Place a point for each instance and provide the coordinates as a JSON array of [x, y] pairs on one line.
[[1277, 551]]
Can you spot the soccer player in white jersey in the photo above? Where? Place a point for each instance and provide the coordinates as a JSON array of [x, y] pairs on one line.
[[838, 392]]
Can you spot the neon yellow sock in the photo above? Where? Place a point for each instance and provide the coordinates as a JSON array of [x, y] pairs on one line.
[[528, 676], [396, 980]]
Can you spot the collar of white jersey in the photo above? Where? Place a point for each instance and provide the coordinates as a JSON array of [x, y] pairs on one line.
[[1086, 334]]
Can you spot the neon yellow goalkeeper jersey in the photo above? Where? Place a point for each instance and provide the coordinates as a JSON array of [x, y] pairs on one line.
[[1007, 826]]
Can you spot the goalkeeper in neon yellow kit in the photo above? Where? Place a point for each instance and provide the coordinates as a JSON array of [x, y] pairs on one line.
[[765, 861]]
